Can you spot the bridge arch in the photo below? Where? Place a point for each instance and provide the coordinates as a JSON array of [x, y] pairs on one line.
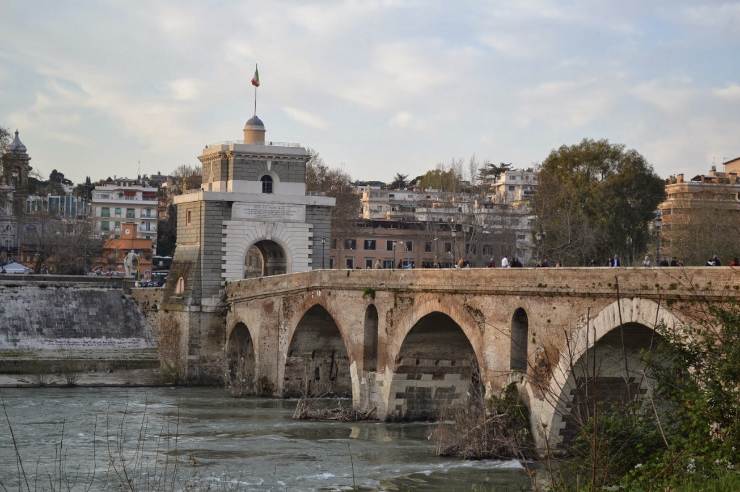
[[456, 311], [435, 365], [241, 365], [266, 257], [598, 344], [317, 358]]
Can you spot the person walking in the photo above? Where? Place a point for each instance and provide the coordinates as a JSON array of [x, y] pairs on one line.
[[504, 262]]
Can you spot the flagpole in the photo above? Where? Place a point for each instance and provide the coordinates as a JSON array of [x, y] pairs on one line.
[[255, 100]]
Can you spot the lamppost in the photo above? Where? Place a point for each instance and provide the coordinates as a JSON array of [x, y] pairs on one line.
[[454, 242], [323, 242], [436, 244]]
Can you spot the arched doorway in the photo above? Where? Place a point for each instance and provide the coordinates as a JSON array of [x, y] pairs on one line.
[[370, 339], [519, 341], [607, 376], [265, 258], [436, 367], [240, 360], [317, 363]]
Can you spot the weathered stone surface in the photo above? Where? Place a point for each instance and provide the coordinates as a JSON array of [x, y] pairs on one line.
[[439, 332], [75, 331]]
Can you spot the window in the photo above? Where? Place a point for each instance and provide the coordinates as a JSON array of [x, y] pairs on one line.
[[105, 226], [333, 244], [266, 184], [130, 213], [389, 245], [370, 244], [350, 244], [188, 218], [368, 262], [117, 211], [428, 247], [409, 245], [349, 263], [331, 262], [387, 263], [512, 188], [448, 247], [180, 287], [105, 212]]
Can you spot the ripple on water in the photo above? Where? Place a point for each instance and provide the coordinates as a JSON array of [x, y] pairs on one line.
[[239, 443]]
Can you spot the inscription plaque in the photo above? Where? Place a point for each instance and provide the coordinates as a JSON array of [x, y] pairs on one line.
[[272, 212]]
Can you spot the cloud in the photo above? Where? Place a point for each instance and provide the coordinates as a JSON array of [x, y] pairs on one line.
[[420, 81], [570, 104], [669, 97], [185, 89], [729, 93], [406, 120], [305, 118]]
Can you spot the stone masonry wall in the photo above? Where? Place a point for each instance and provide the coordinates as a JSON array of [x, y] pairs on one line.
[[73, 333], [291, 171], [320, 220]]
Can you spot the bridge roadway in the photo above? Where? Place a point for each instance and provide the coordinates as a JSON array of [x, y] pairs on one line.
[[406, 343]]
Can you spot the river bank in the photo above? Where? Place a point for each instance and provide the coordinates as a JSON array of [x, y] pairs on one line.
[[241, 444]]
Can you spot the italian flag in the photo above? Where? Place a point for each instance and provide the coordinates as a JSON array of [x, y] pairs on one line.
[[256, 78]]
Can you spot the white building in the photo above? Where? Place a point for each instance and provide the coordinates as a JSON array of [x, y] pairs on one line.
[[125, 201], [514, 185]]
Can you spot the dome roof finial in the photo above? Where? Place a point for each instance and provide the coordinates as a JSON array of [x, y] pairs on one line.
[[16, 145], [254, 131]]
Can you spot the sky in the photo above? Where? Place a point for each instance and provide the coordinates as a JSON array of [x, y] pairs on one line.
[[376, 87]]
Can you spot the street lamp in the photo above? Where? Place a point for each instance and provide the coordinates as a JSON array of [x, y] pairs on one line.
[[436, 250], [323, 242]]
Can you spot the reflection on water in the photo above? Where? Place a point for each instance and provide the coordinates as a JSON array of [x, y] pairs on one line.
[[208, 439]]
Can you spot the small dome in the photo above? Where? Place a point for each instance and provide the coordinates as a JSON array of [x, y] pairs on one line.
[[255, 121], [17, 146]]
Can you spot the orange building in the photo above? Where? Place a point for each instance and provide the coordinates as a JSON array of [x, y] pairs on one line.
[[116, 249]]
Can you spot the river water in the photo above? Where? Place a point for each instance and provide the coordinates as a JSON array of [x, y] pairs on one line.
[[200, 438]]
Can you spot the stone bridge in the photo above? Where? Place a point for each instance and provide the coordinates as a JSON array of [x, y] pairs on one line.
[[406, 343]]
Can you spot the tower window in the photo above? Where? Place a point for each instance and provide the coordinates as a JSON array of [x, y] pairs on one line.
[[266, 184]]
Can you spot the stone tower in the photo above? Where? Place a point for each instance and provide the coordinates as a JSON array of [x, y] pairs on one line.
[[252, 217], [16, 166]]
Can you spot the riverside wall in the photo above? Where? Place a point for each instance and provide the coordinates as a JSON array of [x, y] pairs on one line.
[[70, 330]]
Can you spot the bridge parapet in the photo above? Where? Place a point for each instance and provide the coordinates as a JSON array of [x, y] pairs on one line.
[[664, 282]]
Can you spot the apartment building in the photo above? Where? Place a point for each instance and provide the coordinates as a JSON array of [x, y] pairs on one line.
[[131, 201], [701, 216], [396, 244], [514, 186]]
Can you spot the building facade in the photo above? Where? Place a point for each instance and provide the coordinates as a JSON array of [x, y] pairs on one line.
[[514, 186], [251, 217], [701, 216], [125, 201]]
